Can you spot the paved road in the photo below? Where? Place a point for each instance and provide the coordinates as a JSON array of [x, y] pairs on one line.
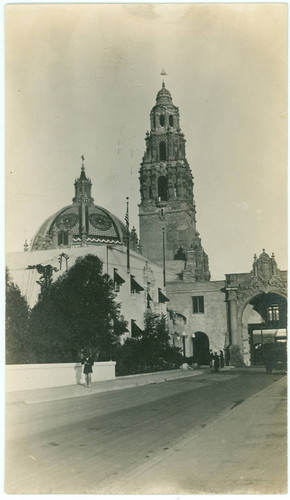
[[84, 445]]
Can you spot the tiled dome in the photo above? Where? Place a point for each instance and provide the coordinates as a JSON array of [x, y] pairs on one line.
[[79, 224]]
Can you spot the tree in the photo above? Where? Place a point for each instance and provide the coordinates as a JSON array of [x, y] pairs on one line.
[[77, 313], [150, 352], [17, 316]]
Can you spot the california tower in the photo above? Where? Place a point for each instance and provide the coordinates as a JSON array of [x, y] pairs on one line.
[[166, 187]]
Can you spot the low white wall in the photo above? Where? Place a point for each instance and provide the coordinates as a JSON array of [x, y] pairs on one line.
[[25, 377]]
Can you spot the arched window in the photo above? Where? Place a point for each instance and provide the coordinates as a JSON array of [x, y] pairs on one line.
[[171, 120], [162, 150], [62, 238], [154, 122], [162, 188], [162, 120]]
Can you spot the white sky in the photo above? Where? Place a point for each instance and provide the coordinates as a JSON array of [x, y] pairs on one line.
[[82, 79]]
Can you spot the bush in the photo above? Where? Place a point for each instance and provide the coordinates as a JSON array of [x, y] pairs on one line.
[[17, 317], [151, 352]]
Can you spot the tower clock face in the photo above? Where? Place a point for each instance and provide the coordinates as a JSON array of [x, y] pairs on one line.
[[100, 221]]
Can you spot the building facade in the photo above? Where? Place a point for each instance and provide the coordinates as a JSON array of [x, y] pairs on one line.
[[204, 314], [85, 228], [168, 272]]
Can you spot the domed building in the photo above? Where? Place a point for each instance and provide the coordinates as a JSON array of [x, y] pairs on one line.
[[237, 314], [81, 224]]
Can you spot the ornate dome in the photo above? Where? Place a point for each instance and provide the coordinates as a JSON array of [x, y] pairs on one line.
[[163, 96], [81, 224]]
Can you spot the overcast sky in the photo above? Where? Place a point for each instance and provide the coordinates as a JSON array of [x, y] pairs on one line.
[[82, 79]]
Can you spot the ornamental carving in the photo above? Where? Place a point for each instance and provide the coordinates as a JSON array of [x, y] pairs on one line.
[[264, 277], [100, 221], [66, 221]]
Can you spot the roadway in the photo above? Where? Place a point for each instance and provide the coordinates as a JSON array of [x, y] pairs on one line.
[[154, 439]]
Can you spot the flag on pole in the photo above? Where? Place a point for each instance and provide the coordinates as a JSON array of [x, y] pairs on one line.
[[127, 235]]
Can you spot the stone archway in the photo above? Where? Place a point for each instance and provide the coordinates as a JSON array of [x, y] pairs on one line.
[[242, 290], [263, 320]]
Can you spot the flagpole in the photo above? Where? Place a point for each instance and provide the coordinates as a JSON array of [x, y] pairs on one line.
[[128, 235]]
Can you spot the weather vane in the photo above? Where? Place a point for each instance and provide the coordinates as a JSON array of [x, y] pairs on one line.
[[163, 73], [83, 159]]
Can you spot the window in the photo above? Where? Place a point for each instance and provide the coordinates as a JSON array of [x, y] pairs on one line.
[[162, 151], [118, 280], [197, 305], [135, 287], [171, 120], [162, 120], [161, 297], [135, 329], [273, 312], [62, 238]]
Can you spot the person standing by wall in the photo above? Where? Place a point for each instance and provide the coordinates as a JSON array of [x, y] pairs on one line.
[[88, 363]]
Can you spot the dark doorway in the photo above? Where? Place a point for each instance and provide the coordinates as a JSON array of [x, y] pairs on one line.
[[200, 345]]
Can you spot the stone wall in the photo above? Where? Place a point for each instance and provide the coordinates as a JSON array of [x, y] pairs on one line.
[[43, 376]]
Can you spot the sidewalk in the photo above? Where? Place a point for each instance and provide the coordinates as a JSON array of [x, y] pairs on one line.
[[74, 391], [243, 451]]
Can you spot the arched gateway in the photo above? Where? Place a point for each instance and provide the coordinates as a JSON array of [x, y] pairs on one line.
[[257, 309]]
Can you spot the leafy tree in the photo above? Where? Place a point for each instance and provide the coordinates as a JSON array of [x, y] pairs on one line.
[[75, 315], [17, 316], [151, 352]]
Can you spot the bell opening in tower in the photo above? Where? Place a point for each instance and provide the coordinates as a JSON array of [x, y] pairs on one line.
[[162, 120]]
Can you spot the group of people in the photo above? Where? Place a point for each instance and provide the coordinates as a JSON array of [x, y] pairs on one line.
[[216, 361]]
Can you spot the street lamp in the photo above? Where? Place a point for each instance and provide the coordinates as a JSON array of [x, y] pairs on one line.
[[163, 253]]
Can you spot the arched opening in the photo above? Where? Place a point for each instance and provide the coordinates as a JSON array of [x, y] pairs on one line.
[[180, 255], [200, 348], [264, 323], [162, 120], [62, 238], [171, 120], [162, 188], [162, 150]]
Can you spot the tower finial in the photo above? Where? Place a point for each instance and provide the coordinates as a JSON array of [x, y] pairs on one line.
[[83, 159], [163, 73]]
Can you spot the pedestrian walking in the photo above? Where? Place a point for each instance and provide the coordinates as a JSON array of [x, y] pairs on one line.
[[216, 362], [211, 358], [88, 363], [222, 360]]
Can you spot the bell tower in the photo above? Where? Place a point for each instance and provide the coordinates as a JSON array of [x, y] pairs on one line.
[[166, 188]]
